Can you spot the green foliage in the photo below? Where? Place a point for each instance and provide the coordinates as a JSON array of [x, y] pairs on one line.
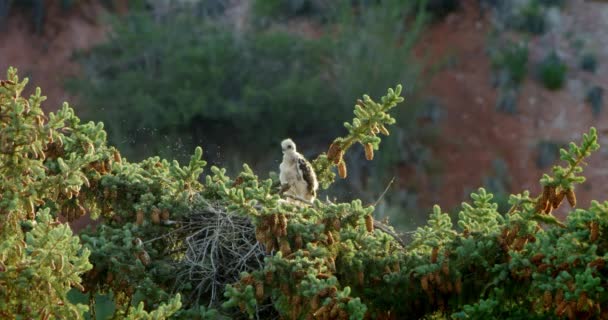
[[40, 271], [375, 27], [103, 308], [552, 71], [182, 81], [511, 60], [371, 118], [228, 86], [567, 176], [139, 200], [200, 313], [55, 167], [323, 260], [482, 216], [491, 248], [510, 65], [437, 232], [498, 182], [215, 79], [40, 258], [266, 8], [163, 310], [531, 18]]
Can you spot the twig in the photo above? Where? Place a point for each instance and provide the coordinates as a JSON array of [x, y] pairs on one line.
[[92, 305], [386, 229], [164, 235], [383, 227], [218, 245], [294, 197], [384, 192], [128, 306]]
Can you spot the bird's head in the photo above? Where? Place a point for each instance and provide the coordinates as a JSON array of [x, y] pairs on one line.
[[288, 145]]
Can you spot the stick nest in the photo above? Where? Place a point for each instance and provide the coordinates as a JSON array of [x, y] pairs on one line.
[[219, 246]]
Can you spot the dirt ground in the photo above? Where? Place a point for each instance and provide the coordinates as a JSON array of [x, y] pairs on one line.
[[473, 133], [46, 58]]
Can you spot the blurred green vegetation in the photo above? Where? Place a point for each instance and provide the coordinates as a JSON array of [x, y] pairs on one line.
[[104, 303], [510, 61], [552, 71], [166, 82], [588, 62], [199, 81], [37, 9], [328, 11], [531, 18], [498, 182], [208, 83], [510, 64]]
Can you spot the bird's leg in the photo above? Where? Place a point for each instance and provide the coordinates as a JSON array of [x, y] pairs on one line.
[[284, 188]]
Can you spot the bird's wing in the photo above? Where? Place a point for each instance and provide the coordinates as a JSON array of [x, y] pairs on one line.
[[305, 169]]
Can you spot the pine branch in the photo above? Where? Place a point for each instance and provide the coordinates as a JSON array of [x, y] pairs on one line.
[[371, 118]]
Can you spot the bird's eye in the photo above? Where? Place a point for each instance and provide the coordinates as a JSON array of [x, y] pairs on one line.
[[288, 147]]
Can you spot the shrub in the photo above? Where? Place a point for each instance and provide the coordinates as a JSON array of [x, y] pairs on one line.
[[375, 71], [498, 182], [552, 71], [595, 98], [40, 258], [322, 260], [228, 86], [531, 18], [46, 164], [235, 80], [155, 194], [588, 62], [511, 62]]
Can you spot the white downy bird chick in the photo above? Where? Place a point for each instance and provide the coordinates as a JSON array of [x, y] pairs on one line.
[[296, 174]]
